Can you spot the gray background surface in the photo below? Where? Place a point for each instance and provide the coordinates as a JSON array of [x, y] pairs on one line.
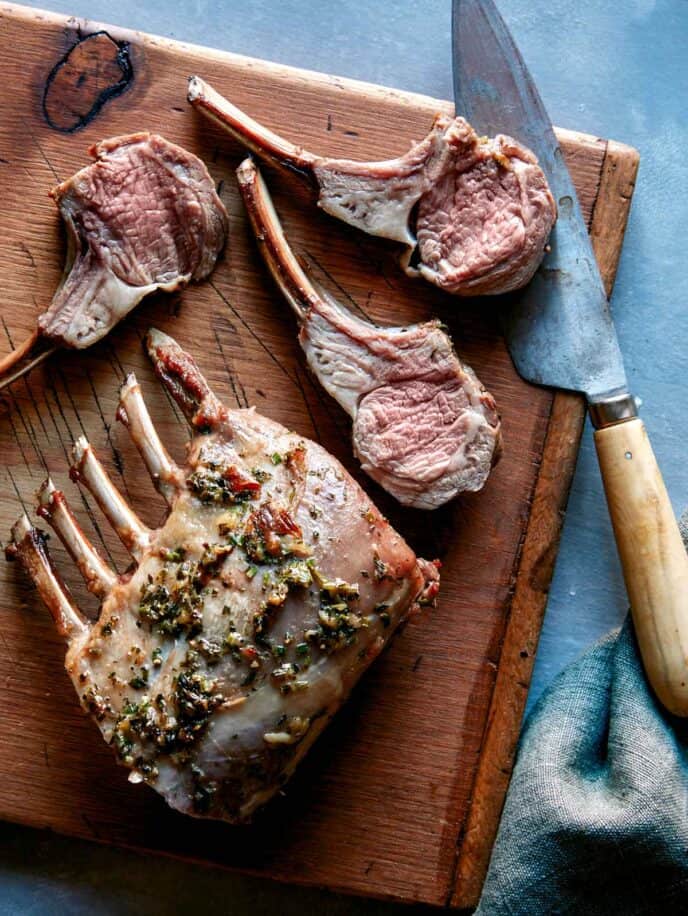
[[614, 69]]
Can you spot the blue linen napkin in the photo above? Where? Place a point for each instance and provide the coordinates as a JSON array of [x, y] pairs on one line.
[[596, 817]]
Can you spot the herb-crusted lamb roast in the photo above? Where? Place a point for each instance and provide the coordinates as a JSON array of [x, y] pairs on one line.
[[245, 620]]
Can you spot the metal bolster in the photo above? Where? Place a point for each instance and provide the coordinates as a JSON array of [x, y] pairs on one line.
[[612, 410]]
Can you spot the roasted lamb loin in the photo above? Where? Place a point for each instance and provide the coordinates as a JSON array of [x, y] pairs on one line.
[[473, 213], [144, 216], [246, 618], [423, 425]]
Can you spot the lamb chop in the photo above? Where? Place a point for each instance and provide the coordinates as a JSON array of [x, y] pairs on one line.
[[474, 214], [245, 620], [144, 216], [423, 425]]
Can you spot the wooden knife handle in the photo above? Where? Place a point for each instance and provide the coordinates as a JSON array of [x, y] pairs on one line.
[[654, 560]]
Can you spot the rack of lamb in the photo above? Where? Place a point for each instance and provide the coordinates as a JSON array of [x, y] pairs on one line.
[[246, 618]]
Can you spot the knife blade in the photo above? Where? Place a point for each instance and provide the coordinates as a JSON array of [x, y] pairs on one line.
[[559, 329], [560, 333]]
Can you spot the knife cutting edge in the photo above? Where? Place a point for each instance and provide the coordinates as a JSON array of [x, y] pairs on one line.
[[560, 333]]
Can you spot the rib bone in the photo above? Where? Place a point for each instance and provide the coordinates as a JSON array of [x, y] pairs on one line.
[[88, 470], [423, 425], [181, 377], [54, 508], [472, 213], [28, 545], [133, 413]]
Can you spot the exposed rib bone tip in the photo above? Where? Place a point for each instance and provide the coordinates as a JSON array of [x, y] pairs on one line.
[[80, 449], [195, 88], [247, 171], [21, 528], [154, 337], [45, 492], [129, 384]]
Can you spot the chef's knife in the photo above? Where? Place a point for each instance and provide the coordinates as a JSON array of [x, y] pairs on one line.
[[560, 333]]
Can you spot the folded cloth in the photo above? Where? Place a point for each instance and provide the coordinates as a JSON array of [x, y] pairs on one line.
[[596, 817]]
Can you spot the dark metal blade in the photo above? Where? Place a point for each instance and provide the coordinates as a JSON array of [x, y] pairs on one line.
[[558, 329]]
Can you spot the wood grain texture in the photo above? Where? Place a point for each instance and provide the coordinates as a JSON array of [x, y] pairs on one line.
[[380, 806]]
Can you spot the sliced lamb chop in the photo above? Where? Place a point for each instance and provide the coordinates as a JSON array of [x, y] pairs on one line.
[[473, 213], [144, 216], [247, 617], [423, 425]]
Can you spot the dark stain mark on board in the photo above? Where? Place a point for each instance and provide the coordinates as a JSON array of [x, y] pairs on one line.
[[17, 439], [355, 306], [116, 454], [228, 369], [308, 407], [21, 503], [253, 334], [31, 396], [114, 360], [40, 149], [174, 306], [96, 69], [30, 433], [90, 826], [84, 501], [27, 251], [224, 325], [243, 392], [337, 416]]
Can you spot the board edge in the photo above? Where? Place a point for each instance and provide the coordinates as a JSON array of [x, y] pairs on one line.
[[286, 72], [537, 561]]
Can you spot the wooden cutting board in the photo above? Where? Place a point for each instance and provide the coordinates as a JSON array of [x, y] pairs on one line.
[[401, 797]]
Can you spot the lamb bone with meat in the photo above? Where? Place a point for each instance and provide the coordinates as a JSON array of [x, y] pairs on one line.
[[144, 216], [473, 213], [424, 427]]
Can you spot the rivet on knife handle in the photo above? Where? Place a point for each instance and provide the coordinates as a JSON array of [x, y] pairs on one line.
[[654, 560]]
